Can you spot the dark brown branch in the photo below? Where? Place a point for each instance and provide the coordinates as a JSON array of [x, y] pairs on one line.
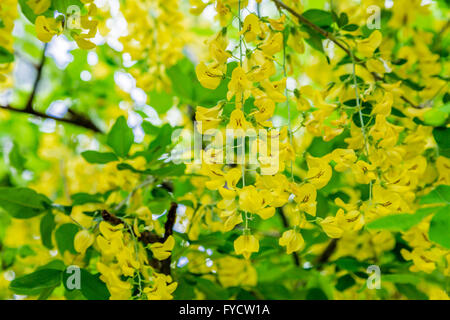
[[76, 119], [285, 222], [168, 231], [331, 37], [326, 254], [39, 68], [170, 222]]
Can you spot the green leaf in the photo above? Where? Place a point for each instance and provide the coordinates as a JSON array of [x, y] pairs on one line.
[[401, 278], [350, 264], [37, 281], [83, 198], [149, 128], [319, 17], [211, 289], [161, 101], [399, 222], [22, 203], [5, 56], [343, 19], [345, 282], [99, 157], [435, 117], [121, 137], [366, 110], [46, 228], [316, 294], [64, 236], [16, 159], [314, 40], [441, 194], [170, 171], [350, 27], [28, 12], [442, 137], [440, 227], [63, 5], [410, 291], [91, 286]]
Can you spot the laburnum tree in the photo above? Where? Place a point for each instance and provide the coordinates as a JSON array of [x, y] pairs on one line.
[[98, 96]]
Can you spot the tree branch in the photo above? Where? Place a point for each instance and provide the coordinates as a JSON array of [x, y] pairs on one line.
[[39, 68], [168, 231], [331, 37], [326, 254], [75, 118]]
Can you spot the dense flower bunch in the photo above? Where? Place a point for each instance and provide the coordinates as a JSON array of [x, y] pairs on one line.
[[156, 37], [325, 151], [383, 151], [8, 13], [72, 22]]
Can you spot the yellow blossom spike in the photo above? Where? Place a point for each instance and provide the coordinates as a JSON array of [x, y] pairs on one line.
[[246, 245], [292, 240], [83, 240]]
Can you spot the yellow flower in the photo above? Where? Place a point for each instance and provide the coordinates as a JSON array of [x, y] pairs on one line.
[[266, 107], [162, 251], [424, 260], [197, 7], [39, 6], [331, 227], [209, 76], [275, 90], [305, 196], [367, 46], [162, 288], [246, 245], [344, 159], [295, 40], [83, 43], [254, 201], [278, 24], [251, 28], [335, 227], [46, 28], [238, 122], [363, 172], [292, 240], [273, 44], [319, 172], [217, 48], [83, 240], [375, 65], [259, 66], [384, 106], [208, 118], [239, 85]]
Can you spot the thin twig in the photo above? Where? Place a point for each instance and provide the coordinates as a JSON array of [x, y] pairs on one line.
[[39, 68]]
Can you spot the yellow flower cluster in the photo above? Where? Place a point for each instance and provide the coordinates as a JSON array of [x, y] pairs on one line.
[[81, 31], [8, 13], [156, 37]]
